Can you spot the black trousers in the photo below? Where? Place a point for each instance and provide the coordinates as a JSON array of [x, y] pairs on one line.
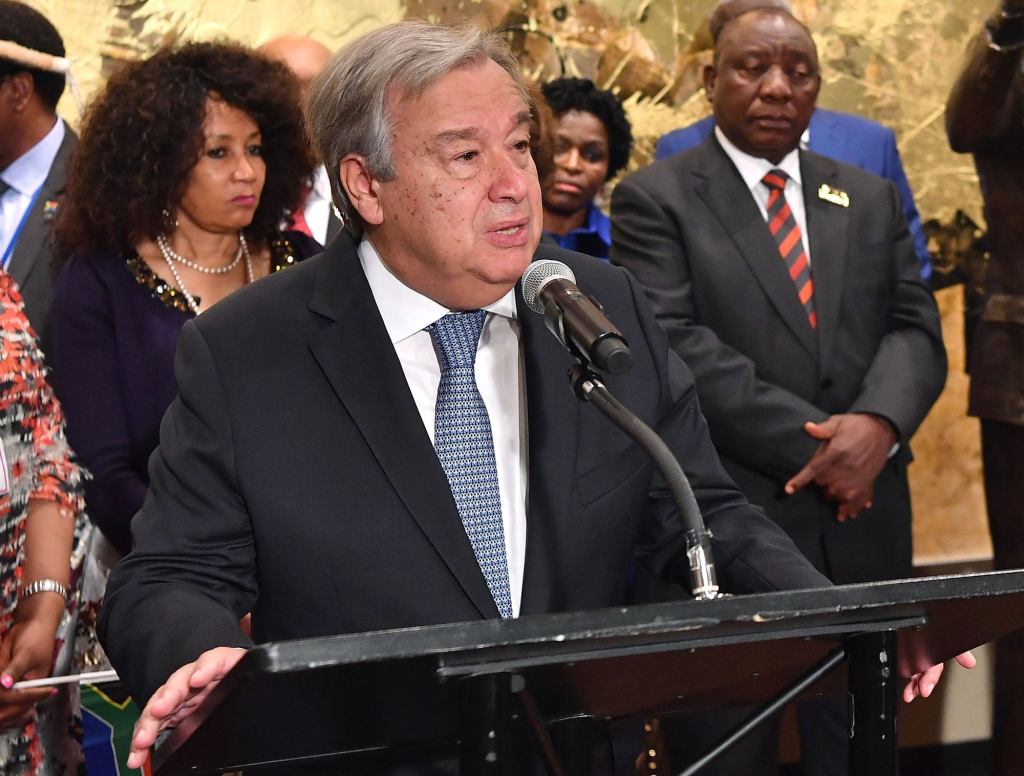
[[824, 741]]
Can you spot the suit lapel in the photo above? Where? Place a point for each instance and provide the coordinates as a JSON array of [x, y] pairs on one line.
[[826, 223], [718, 183], [34, 240], [356, 356], [553, 415]]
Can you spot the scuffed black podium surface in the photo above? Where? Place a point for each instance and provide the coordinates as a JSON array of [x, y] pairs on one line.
[[366, 695]]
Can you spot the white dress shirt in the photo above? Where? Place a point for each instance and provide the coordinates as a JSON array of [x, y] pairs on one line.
[[317, 207], [499, 370], [752, 169], [25, 175]]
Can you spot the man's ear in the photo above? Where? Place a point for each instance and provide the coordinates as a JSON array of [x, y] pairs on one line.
[[362, 187], [18, 88], [710, 74]]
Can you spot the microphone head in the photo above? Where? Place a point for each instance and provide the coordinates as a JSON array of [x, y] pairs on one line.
[[537, 275]]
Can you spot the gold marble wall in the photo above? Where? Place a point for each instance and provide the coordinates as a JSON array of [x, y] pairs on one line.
[[891, 60]]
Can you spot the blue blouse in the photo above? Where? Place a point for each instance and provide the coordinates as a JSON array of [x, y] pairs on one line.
[[594, 239]]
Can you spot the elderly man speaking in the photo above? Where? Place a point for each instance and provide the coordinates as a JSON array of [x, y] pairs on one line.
[[423, 461]]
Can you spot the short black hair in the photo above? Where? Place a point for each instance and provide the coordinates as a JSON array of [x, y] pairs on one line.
[[27, 27], [582, 94], [727, 10], [770, 8]]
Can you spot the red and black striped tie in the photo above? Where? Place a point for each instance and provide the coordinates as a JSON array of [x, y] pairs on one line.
[[786, 232]]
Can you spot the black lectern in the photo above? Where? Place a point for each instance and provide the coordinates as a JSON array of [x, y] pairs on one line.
[[462, 688]]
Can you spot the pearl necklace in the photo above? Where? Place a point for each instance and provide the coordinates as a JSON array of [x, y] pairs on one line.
[[170, 257], [169, 254]]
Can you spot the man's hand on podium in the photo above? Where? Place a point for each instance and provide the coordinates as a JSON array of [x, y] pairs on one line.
[[187, 687], [178, 697], [923, 683]]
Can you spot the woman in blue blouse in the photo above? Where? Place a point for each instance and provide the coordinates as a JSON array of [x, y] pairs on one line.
[[592, 143]]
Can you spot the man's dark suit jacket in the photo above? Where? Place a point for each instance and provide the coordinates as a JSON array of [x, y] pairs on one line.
[[295, 479], [32, 260], [841, 136], [688, 228]]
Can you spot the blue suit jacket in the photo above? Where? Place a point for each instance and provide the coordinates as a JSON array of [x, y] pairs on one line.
[[845, 138]]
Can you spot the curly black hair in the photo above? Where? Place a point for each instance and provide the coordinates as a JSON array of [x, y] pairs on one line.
[[582, 94], [27, 27], [144, 133]]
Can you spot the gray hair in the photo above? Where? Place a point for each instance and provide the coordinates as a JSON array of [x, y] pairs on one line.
[[346, 105]]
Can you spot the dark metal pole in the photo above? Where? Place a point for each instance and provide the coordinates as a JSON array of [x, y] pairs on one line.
[[703, 578], [777, 704], [485, 725], [541, 736], [874, 697]]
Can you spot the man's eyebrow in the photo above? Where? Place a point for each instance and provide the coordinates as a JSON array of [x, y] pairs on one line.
[[470, 133], [453, 135]]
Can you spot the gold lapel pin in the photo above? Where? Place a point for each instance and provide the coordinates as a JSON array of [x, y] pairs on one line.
[[835, 196]]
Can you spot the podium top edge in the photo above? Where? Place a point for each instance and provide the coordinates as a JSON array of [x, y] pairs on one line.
[[875, 601]]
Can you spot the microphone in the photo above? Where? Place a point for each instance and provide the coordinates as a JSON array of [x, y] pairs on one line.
[[577, 320]]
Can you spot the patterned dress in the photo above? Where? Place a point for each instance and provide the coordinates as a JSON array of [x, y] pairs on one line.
[[39, 465]]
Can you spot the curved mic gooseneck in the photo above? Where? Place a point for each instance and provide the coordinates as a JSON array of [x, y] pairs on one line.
[[550, 289]]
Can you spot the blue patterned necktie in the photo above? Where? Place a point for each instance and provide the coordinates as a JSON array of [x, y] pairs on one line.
[[462, 438]]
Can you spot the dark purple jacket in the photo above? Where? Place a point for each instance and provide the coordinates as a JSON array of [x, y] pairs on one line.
[[113, 357]]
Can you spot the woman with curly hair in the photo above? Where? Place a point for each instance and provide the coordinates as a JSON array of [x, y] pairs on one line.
[[187, 165], [592, 142], [42, 533]]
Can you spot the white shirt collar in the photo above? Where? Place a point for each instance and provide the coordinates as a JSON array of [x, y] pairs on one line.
[[405, 311], [752, 168], [27, 173], [321, 185]]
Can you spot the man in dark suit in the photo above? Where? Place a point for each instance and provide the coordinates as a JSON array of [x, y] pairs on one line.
[[788, 283], [307, 57], [316, 469], [840, 136], [35, 148]]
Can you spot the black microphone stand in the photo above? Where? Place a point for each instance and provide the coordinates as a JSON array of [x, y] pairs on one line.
[[703, 579]]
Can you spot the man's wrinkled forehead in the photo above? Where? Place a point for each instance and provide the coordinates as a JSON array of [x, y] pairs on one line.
[[404, 89], [448, 135], [444, 131]]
